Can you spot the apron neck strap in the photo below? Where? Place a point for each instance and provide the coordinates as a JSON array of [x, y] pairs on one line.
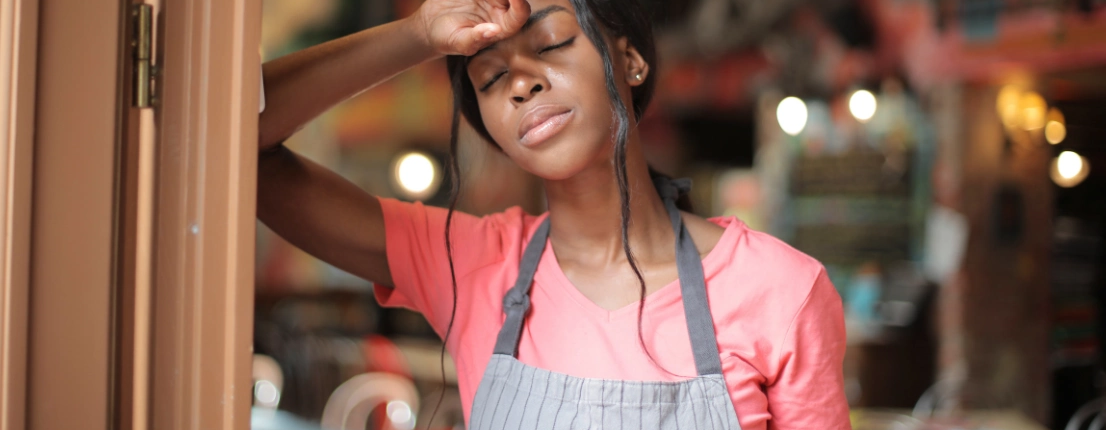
[[700, 325], [693, 284], [517, 301]]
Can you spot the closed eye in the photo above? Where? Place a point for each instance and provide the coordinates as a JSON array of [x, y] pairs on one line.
[[492, 81], [557, 46], [495, 78]]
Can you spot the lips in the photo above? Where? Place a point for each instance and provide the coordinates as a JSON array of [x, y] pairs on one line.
[[542, 122]]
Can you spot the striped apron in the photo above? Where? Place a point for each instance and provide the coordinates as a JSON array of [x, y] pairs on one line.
[[513, 395]]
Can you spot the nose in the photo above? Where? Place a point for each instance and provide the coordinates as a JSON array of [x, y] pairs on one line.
[[525, 86]]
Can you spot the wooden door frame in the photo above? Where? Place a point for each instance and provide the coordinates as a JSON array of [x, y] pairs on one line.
[[18, 43], [73, 213], [205, 224], [73, 334]]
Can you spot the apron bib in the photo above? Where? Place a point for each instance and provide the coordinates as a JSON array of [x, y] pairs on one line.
[[513, 395]]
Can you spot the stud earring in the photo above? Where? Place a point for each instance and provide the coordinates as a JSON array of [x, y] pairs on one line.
[[637, 76]]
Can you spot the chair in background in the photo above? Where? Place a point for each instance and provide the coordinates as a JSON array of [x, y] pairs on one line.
[[936, 398], [351, 404], [1092, 413], [268, 381], [1098, 423]]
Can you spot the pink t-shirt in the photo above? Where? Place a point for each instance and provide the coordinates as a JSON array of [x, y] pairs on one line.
[[778, 318]]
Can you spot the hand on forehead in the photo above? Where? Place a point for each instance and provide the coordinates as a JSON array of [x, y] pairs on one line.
[[463, 27]]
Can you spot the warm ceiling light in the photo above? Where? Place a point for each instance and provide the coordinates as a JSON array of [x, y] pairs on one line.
[[1055, 129], [1033, 110], [417, 175], [1069, 169], [1006, 104], [1055, 132], [862, 104], [792, 115]]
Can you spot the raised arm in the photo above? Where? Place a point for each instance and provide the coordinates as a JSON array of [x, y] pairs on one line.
[[312, 207], [302, 85]]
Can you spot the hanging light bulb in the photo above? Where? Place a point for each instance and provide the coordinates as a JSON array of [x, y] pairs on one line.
[[1033, 109], [1006, 104], [792, 115], [1069, 164], [862, 104], [1055, 129], [1069, 169], [417, 175]]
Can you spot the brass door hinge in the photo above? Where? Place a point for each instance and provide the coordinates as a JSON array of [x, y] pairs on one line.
[[142, 42]]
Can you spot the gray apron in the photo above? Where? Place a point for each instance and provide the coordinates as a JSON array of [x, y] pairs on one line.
[[513, 395]]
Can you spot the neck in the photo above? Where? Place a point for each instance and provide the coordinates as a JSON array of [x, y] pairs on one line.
[[585, 213]]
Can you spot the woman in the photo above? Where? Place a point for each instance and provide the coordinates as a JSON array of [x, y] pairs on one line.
[[614, 308]]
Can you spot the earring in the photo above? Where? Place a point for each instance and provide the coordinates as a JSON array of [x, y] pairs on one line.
[[637, 76]]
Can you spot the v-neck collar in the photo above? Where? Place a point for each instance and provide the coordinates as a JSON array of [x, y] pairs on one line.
[[549, 273]]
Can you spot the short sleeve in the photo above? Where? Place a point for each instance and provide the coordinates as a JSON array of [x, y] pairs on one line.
[[809, 390], [419, 262]]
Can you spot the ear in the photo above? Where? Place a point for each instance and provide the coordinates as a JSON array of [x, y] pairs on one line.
[[635, 67]]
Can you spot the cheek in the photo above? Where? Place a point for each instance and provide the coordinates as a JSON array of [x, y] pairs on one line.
[[589, 84], [600, 95], [596, 103], [494, 118]]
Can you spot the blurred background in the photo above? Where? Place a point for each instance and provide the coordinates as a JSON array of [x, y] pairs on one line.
[[945, 159]]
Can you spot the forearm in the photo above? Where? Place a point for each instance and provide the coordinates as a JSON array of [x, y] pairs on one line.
[[322, 213], [303, 85]]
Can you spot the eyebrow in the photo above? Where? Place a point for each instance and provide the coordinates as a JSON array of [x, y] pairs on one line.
[[534, 19]]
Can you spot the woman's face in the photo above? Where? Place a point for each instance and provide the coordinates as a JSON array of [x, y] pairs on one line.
[[543, 96]]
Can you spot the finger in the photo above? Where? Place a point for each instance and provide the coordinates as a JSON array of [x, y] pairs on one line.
[[488, 30], [467, 41], [518, 11]]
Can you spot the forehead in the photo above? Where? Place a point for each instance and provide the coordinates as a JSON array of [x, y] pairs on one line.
[[536, 5], [540, 11]]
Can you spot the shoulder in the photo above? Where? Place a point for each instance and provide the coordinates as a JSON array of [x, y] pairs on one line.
[[512, 220], [769, 257], [477, 240], [756, 272], [514, 226], [705, 232], [764, 292]]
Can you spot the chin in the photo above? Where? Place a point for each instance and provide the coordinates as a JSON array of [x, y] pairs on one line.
[[557, 163], [555, 173]]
